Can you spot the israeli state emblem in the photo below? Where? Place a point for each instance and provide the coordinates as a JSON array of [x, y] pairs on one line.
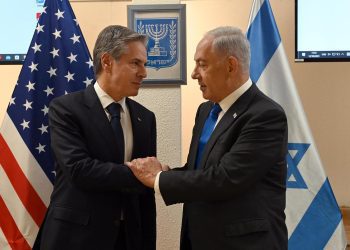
[[162, 48]]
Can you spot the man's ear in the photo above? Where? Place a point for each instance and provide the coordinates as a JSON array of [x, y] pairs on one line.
[[232, 64], [106, 62]]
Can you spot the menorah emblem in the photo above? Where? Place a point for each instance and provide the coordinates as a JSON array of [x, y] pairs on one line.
[[162, 49], [157, 32]]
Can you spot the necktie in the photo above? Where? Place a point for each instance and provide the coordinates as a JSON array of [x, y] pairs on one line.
[[114, 111], [207, 130]]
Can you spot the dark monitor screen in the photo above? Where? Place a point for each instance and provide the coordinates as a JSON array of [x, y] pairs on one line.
[[18, 20], [322, 30]]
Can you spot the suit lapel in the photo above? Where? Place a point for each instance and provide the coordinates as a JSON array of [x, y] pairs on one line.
[[232, 114], [137, 122], [98, 118]]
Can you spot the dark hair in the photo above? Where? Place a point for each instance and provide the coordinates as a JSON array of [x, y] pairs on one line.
[[114, 40]]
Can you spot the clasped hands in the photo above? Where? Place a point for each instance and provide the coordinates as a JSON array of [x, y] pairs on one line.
[[146, 169]]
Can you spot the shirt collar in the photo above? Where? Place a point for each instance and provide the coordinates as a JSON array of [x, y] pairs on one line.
[[105, 99], [227, 102]]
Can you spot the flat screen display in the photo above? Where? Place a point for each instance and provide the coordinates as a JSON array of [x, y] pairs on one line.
[[18, 20], [322, 30]]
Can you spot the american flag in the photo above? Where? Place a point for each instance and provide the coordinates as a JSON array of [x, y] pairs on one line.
[[58, 62]]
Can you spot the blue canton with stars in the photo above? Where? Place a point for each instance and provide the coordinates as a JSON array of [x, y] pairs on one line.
[[293, 171], [58, 62]]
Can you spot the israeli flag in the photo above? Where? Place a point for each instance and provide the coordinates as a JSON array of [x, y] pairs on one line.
[[314, 219]]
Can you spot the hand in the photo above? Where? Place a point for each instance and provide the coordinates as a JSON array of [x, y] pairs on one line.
[[165, 167], [145, 170]]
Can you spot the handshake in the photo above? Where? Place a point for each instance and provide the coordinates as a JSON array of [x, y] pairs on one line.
[[146, 169]]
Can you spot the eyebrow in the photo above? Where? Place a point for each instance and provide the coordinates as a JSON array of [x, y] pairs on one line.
[[137, 60], [200, 60]]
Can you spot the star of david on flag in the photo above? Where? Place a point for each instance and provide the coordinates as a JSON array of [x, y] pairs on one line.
[[312, 214], [58, 62], [294, 178]]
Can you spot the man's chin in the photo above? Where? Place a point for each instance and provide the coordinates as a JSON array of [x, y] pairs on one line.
[[134, 93], [205, 96]]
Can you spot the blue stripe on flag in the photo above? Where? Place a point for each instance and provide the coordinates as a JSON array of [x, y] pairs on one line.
[[318, 223], [264, 39]]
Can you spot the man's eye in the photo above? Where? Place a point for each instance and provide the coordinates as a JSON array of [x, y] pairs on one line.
[[135, 63]]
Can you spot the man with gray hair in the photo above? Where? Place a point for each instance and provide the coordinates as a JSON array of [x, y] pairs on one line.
[[97, 203], [233, 185]]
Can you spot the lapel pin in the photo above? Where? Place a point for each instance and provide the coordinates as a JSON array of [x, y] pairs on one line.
[[234, 115], [139, 119]]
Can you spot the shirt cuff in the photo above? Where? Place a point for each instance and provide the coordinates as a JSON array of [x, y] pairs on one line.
[[156, 184]]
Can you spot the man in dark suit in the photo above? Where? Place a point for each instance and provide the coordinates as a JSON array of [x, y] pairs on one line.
[[233, 184], [97, 203]]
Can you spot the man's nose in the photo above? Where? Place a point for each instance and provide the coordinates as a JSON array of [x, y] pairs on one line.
[[143, 72], [194, 74]]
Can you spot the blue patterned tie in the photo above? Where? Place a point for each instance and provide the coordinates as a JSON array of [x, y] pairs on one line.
[[114, 111], [207, 131]]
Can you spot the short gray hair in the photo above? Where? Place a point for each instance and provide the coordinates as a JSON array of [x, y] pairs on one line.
[[114, 40], [231, 41]]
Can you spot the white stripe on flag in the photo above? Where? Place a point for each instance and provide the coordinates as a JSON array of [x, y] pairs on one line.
[[26, 161], [20, 215], [254, 11], [3, 241]]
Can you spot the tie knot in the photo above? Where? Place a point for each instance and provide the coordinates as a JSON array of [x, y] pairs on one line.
[[114, 109], [215, 110]]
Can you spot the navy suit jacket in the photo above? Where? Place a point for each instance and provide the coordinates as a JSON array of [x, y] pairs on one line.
[[91, 187], [236, 197]]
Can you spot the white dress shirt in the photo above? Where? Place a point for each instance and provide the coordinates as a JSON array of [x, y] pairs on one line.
[[225, 104], [125, 119]]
